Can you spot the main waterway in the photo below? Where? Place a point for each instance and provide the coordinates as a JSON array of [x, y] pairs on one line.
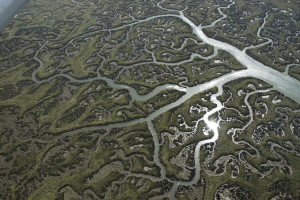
[[8, 9]]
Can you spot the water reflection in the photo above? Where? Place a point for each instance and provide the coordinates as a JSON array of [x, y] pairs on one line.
[[212, 125]]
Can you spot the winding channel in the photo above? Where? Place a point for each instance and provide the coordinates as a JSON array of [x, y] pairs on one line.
[[281, 82]]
